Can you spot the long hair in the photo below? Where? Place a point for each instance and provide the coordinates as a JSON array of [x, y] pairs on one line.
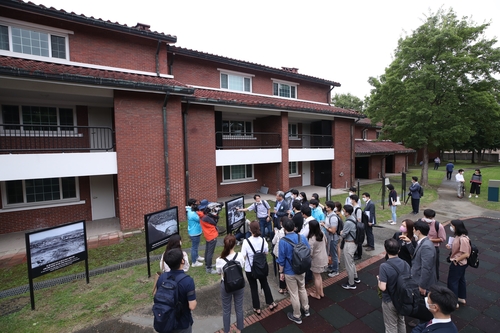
[[409, 228], [304, 196], [315, 230], [174, 242], [229, 243], [338, 205], [459, 227], [255, 228]]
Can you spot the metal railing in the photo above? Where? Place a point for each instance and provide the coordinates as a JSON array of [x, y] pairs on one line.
[[49, 138], [251, 140], [310, 141]]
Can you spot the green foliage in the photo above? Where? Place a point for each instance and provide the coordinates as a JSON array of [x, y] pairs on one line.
[[348, 101]]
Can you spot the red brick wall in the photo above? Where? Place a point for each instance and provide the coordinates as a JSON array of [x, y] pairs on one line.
[[48, 217], [400, 163], [344, 153], [370, 135], [377, 165]]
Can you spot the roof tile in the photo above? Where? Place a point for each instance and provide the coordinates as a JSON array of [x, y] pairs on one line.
[[380, 147]]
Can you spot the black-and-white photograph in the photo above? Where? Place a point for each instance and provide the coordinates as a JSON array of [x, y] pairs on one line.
[[234, 218], [49, 248], [289, 199], [160, 226]]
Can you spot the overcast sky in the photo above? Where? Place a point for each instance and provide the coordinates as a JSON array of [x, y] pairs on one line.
[[343, 41]]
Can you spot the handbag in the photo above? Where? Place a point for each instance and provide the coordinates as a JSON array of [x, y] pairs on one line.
[[397, 203]]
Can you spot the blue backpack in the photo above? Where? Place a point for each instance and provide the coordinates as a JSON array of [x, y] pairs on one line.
[[167, 307]]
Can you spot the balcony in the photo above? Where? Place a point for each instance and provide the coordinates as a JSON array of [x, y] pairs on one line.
[[306, 141], [253, 140], [54, 139]]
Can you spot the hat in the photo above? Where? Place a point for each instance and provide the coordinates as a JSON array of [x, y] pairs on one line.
[[203, 204]]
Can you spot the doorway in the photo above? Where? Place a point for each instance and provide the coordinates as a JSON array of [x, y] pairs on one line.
[[102, 197]]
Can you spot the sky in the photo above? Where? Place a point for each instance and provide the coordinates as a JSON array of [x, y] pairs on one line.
[[341, 41]]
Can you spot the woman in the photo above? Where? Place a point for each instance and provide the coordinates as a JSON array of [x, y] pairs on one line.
[[406, 240], [460, 251], [248, 254], [229, 254], [194, 231], [393, 198], [303, 199], [174, 242], [475, 183], [279, 234], [317, 243]]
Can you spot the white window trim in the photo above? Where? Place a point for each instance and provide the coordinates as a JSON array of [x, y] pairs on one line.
[[285, 82], [241, 180], [296, 136], [40, 204], [240, 137], [226, 71], [243, 75], [364, 134], [295, 174], [291, 84]]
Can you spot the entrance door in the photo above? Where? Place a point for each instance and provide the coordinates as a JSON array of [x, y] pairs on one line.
[[322, 173], [306, 173], [103, 198]]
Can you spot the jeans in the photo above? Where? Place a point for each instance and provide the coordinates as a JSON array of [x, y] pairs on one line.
[[240, 236], [456, 280], [263, 225], [393, 210], [255, 292], [448, 174], [334, 267], [195, 243], [209, 252], [226, 307]]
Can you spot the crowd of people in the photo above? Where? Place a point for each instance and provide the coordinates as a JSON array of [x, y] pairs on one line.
[[329, 232]]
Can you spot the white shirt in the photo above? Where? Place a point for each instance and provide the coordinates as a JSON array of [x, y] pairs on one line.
[[220, 263], [459, 177], [164, 267], [305, 228], [247, 252]]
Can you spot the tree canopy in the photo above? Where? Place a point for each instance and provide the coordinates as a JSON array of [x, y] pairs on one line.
[[440, 90], [348, 101]]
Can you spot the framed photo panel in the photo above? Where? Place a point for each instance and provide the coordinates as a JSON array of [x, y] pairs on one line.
[[160, 226], [234, 219]]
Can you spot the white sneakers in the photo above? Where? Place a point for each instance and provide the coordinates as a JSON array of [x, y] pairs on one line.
[[470, 196], [392, 222], [200, 258], [196, 264]]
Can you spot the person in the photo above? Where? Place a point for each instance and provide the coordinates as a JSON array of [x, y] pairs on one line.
[[393, 198], [406, 230], [316, 210], [372, 220], [185, 287], [228, 253], [281, 208], [278, 235], [436, 236], [460, 251], [295, 282], [243, 232], [295, 195], [355, 203], [437, 162], [415, 195], [319, 257], [441, 303], [210, 232], [331, 224], [348, 234], [387, 279], [194, 231], [257, 241], [303, 199], [316, 196], [174, 242], [297, 218], [339, 213], [352, 191], [459, 177], [306, 214], [449, 170], [263, 213], [475, 183]]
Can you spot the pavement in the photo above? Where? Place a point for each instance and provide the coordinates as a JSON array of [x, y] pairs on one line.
[[359, 310]]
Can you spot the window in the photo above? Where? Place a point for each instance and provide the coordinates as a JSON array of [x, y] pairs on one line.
[[47, 118], [364, 134], [237, 172], [284, 90], [235, 82], [40, 191], [237, 128], [19, 37], [293, 131], [379, 133], [293, 169]]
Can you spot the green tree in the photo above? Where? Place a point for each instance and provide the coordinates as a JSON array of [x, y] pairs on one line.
[[441, 76], [348, 101]]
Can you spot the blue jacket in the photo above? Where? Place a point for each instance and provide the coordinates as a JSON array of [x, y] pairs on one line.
[[194, 226], [414, 190], [285, 254]]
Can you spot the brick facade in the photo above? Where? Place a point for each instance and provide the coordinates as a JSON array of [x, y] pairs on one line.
[[343, 164]]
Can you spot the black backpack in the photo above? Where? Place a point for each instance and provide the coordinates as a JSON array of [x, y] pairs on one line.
[[340, 225], [406, 297], [301, 257], [233, 275], [473, 260], [166, 307], [360, 227], [421, 191], [260, 268]]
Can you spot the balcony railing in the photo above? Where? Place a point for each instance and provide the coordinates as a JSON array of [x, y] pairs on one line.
[[49, 138], [252, 140], [310, 141]]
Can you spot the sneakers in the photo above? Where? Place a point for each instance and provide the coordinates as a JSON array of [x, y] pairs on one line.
[[333, 274], [393, 222], [196, 264], [470, 196], [200, 259], [348, 286], [477, 196], [238, 243], [211, 271], [307, 313], [294, 319], [357, 280], [390, 221], [369, 249]]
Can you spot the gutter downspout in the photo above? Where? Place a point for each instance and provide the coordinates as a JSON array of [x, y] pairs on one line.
[[165, 148], [329, 96], [157, 58], [186, 150], [353, 154], [170, 62]]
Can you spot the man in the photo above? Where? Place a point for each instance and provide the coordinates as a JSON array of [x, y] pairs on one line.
[[185, 289], [436, 237], [331, 224], [263, 213], [370, 212], [297, 218], [459, 177], [441, 302], [415, 195], [449, 170], [281, 209], [387, 279], [209, 226], [437, 162], [423, 263], [295, 283], [352, 190], [349, 235], [357, 215], [316, 211], [306, 214]]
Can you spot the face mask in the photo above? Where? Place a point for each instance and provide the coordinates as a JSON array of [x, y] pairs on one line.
[[452, 229], [427, 305], [342, 212], [351, 193], [364, 199], [335, 210], [402, 229], [300, 197], [427, 220]]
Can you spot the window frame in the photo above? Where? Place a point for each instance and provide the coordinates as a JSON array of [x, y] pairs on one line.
[[243, 135], [296, 173], [41, 204], [238, 180], [291, 135], [243, 76], [364, 134], [280, 83]]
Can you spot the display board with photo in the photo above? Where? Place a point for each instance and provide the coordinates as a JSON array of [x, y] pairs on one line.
[[289, 199], [160, 226], [234, 218]]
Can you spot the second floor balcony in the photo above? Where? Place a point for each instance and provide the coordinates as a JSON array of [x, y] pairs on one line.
[[266, 140]]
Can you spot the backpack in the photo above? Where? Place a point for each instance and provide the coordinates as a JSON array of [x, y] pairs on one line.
[[264, 202], [360, 227], [421, 191], [406, 297], [167, 308], [301, 256], [340, 225], [473, 260], [260, 268], [233, 275]]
